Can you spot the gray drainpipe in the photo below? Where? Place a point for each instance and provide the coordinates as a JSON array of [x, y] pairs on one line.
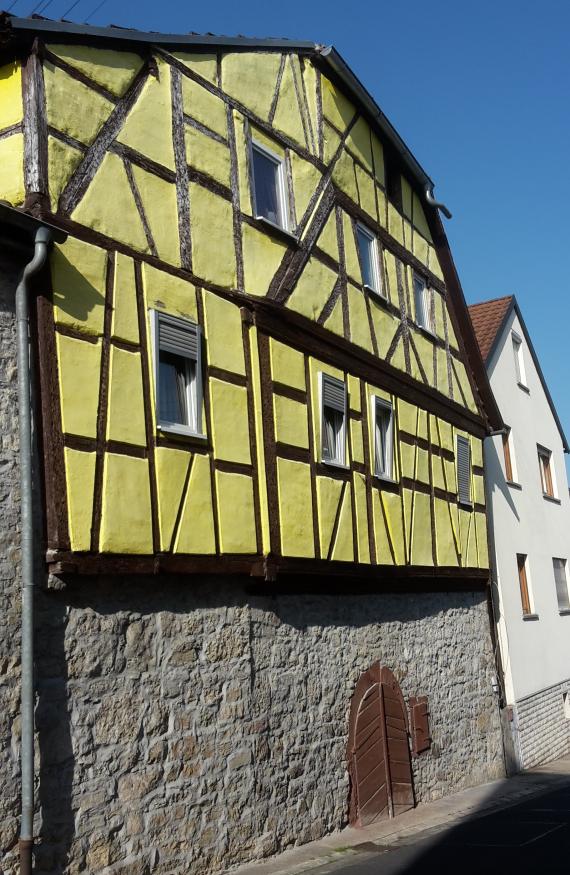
[[42, 240]]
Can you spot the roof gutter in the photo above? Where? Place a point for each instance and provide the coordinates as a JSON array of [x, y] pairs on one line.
[[332, 58]]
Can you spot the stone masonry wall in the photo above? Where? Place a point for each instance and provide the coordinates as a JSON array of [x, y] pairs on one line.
[[543, 727], [185, 726]]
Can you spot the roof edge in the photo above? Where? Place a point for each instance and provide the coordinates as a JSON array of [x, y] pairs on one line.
[[514, 306], [328, 55], [69, 28], [26, 224]]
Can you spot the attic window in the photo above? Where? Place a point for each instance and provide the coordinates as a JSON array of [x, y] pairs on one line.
[[369, 261], [423, 297], [546, 474], [269, 186], [519, 359], [178, 378]]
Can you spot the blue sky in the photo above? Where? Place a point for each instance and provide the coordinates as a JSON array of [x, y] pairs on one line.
[[480, 93]]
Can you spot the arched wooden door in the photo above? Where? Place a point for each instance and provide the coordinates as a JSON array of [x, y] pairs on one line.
[[380, 768]]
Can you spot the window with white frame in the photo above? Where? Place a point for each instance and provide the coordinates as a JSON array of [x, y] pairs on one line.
[[269, 186], [519, 358], [177, 371], [333, 419], [369, 260], [423, 297], [463, 460], [382, 417], [561, 581]]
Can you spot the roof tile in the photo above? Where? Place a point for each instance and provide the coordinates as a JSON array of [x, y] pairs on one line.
[[487, 318]]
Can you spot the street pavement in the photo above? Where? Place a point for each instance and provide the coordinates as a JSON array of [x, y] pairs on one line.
[[519, 824], [531, 837]]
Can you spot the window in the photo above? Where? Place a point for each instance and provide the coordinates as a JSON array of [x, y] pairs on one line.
[[423, 297], [508, 452], [566, 705], [177, 369], [546, 477], [333, 423], [369, 263], [383, 438], [519, 359], [523, 584], [463, 457], [269, 186], [561, 581]]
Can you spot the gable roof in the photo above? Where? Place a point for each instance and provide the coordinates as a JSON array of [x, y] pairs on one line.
[[18, 34], [17, 30], [489, 320]]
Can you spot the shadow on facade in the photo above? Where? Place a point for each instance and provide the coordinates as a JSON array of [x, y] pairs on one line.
[[116, 658]]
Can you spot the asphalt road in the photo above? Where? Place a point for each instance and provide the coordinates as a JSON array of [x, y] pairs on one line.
[[531, 837]]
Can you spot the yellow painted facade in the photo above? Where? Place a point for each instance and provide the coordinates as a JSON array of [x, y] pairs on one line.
[[160, 210]]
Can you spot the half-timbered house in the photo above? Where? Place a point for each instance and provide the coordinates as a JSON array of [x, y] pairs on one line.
[[260, 416]]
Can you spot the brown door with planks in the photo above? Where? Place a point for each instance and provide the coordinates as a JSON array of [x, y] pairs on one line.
[[380, 768]]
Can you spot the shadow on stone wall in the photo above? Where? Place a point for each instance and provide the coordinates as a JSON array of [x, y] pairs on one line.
[[205, 720], [56, 764]]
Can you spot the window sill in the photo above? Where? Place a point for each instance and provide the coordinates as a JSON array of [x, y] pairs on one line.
[[375, 292], [523, 387], [342, 465], [551, 498], [530, 617], [565, 612], [514, 485], [181, 431], [379, 298], [431, 335], [270, 226], [466, 505], [388, 484]]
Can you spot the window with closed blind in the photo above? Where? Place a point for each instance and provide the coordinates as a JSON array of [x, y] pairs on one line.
[[561, 582], [463, 461], [333, 419], [177, 372], [523, 584]]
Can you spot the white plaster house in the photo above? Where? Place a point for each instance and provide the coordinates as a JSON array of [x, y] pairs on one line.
[[530, 524]]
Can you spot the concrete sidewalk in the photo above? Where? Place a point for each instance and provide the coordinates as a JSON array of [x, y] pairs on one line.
[[433, 816]]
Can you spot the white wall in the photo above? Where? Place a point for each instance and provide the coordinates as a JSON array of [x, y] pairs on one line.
[[535, 653]]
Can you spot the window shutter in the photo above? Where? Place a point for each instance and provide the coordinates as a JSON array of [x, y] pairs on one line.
[[334, 393], [463, 470], [178, 337], [421, 737]]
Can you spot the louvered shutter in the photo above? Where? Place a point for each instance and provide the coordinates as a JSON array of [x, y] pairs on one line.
[[334, 393], [463, 470], [178, 336], [421, 736]]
